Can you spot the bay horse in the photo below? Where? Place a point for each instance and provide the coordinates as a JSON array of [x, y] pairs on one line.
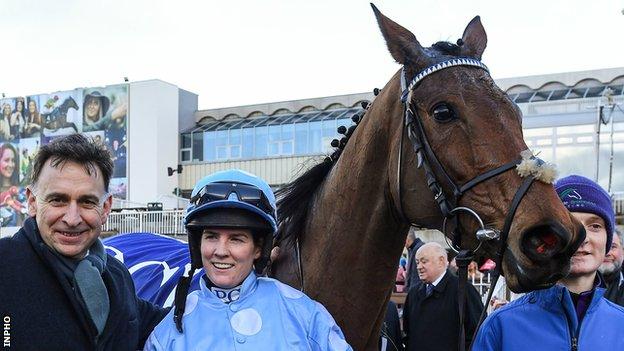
[[58, 117], [343, 223]]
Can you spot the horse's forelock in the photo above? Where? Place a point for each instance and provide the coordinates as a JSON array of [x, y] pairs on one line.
[[446, 48]]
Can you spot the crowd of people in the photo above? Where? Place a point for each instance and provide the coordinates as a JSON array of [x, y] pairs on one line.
[[62, 291]]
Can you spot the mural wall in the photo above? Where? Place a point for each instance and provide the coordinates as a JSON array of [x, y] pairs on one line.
[[28, 122]]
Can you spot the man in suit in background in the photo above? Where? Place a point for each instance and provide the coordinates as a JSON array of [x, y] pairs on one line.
[[611, 270], [431, 311]]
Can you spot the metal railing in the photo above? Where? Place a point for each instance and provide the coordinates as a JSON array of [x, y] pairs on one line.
[[161, 222], [481, 282]]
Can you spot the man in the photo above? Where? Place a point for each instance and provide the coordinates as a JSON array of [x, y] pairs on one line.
[[60, 291], [572, 315], [431, 312], [611, 269], [412, 243]]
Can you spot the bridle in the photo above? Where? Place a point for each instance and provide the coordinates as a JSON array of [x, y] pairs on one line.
[[449, 205]]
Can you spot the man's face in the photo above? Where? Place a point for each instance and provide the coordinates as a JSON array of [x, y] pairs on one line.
[[70, 207], [430, 264], [613, 260], [591, 253]]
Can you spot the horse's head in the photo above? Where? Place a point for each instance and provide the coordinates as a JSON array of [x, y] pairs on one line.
[[465, 127], [71, 103]]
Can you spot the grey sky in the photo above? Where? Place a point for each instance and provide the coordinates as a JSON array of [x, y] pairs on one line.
[[242, 52]]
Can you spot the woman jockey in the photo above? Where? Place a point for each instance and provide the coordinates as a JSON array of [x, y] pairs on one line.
[[230, 222]]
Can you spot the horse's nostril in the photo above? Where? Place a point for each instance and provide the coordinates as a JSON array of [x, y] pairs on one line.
[[542, 242]]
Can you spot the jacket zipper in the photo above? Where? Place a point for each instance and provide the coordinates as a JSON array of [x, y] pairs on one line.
[[573, 335]]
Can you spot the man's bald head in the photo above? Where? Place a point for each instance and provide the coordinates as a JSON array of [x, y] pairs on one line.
[[432, 261]]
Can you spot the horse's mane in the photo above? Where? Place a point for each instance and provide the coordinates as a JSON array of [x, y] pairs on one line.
[[295, 199]]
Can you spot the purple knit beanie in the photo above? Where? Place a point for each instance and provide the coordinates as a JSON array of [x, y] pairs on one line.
[[580, 194]]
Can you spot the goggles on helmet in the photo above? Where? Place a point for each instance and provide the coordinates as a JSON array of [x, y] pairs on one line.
[[222, 191]]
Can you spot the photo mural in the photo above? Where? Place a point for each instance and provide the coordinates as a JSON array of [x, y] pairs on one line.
[[28, 122]]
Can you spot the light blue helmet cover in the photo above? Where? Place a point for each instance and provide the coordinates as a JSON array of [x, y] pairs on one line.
[[234, 176]]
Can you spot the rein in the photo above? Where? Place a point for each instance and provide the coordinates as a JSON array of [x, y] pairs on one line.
[[449, 205]]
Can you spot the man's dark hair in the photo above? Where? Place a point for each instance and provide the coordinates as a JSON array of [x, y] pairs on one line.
[[75, 148]]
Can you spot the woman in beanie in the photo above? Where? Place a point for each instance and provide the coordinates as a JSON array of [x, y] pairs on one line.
[[230, 224], [572, 315]]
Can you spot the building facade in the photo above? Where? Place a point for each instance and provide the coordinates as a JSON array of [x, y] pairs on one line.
[[279, 140]]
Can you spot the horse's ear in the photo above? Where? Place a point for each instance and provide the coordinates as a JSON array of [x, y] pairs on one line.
[[474, 39], [402, 44]]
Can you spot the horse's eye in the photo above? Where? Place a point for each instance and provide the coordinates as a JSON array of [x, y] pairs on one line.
[[443, 113]]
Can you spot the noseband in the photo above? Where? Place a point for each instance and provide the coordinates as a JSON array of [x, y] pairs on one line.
[[449, 205]]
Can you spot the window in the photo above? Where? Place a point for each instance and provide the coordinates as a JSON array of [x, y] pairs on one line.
[[329, 133], [235, 151], [266, 136], [288, 136], [221, 142], [210, 146], [186, 141], [185, 155], [301, 139], [274, 140], [235, 143], [315, 137], [261, 142], [198, 146], [248, 143]]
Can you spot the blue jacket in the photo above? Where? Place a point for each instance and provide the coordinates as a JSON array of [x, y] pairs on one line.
[[268, 315], [546, 320]]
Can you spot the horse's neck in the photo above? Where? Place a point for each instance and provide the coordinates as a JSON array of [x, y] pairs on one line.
[[353, 236]]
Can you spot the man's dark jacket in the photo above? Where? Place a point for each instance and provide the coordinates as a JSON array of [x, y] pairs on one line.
[[615, 290], [43, 309], [391, 330], [432, 322], [412, 272]]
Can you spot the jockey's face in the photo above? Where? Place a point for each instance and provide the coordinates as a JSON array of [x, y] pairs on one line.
[[69, 206], [228, 255]]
